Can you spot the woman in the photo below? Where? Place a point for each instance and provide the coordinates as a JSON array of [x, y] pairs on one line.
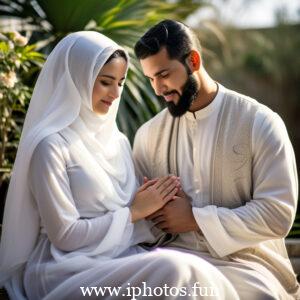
[[72, 200]]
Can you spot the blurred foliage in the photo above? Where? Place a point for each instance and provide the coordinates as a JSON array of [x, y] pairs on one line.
[[17, 61], [266, 55], [295, 232], [264, 64], [124, 21]]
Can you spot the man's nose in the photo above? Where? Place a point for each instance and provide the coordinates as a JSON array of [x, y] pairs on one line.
[[158, 87]]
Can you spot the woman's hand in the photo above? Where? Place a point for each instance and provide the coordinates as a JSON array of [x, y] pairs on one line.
[[152, 196]]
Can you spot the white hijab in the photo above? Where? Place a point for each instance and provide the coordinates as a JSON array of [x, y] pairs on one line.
[[62, 102]]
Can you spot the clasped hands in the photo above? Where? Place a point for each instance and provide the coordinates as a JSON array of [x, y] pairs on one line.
[[164, 203]]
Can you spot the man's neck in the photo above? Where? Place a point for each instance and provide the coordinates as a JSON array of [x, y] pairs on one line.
[[207, 93]]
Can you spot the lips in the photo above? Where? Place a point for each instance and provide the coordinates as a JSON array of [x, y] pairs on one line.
[[108, 103], [169, 97]]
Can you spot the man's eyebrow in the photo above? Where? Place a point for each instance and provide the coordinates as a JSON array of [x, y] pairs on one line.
[[111, 77], [158, 73]]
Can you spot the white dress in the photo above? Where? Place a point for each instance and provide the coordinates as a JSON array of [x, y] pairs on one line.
[[74, 224]]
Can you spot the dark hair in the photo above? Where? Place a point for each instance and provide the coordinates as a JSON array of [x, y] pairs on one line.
[[117, 53], [177, 37]]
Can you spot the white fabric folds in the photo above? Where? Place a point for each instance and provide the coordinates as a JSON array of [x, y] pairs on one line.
[[62, 102]]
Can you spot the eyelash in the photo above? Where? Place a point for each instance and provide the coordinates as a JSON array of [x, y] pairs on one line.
[[107, 84], [161, 76]]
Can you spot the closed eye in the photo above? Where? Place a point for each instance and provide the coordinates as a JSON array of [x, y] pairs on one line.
[[105, 83], [164, 75]]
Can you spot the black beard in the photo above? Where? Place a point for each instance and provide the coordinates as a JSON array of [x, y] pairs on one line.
[[189, 94]]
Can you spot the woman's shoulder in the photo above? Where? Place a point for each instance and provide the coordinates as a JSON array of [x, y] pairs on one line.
[[48, 157], [51, 145]]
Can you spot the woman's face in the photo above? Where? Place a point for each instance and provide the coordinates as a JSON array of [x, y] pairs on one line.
[[108, 84]]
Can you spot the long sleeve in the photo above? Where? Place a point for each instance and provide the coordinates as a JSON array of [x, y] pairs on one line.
[[270, 214], [59, 216]]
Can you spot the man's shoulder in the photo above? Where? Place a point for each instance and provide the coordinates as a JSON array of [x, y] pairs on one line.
[[246, 102], [263, 117]]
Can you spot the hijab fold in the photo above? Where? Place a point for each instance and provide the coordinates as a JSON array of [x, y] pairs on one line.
[[62, 102]]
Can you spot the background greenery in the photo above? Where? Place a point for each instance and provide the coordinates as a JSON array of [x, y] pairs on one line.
[[122, 20], [18, 61], [262, 63]]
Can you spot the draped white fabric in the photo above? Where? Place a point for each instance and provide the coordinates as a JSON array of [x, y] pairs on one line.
[[62, 102], [94, 250], [67, 222]]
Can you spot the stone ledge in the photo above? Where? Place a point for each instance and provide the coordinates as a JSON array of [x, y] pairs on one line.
[[293, 246], [3, 295], [293, 249]]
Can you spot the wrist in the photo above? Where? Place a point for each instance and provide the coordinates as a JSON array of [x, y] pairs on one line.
[[134, 215]]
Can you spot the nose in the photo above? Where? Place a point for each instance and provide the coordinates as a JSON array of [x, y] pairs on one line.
[[158, 86], [114, 92]]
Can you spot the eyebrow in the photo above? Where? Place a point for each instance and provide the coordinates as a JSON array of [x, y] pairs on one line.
[[111, 77], [158, 73]]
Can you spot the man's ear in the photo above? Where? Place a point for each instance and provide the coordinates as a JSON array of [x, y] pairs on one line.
[[194, 60]]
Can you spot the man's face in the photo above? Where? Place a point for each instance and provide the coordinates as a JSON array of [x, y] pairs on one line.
[[169, 79]]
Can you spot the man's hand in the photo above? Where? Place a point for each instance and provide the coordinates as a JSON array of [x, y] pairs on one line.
[[176, 216]]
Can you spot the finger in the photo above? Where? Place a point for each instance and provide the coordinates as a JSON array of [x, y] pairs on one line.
[[146, 185], [169, 189], [158, 219], [171, 196], [151, 217], [162, 225], [161, 180], [171, 180], [146, 179], [155, 215], [181, 193]]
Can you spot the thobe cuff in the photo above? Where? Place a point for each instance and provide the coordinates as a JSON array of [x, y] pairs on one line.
[[216, 236]]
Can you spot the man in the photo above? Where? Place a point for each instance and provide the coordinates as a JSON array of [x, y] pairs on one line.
[[236, 165]]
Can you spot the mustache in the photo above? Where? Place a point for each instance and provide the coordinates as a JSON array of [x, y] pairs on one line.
[[170, 92]]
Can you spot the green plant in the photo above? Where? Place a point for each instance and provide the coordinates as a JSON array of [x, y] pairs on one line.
[[295, 231], [124, 21], [17, 59]]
